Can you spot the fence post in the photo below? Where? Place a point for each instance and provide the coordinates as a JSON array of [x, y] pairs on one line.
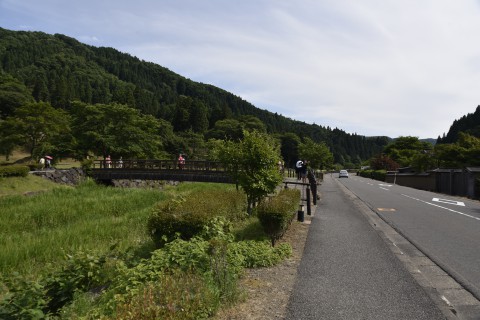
[[309, 209]]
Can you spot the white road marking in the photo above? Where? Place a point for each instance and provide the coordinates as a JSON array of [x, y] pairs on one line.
[[436, 205], [401, 252], [457, 203], [447, 302], [370, 184], [384, 188], [385, 185]]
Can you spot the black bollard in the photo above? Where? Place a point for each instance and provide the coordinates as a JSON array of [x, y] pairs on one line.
[[300, 214]]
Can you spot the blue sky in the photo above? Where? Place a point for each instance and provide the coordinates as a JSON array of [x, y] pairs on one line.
[[371, 67]]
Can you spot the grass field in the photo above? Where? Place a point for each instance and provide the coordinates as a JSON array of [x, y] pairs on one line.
[[38, 230]]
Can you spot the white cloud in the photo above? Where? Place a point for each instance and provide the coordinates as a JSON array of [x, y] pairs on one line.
[[375, 68]]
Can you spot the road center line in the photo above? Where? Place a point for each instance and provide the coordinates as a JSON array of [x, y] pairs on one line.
[[436, 205]]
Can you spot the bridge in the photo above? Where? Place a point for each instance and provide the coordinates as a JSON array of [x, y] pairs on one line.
[[192, 170]]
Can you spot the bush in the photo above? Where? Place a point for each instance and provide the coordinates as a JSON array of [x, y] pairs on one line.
[[176, 296], [14, 171], [379, 175], [86, 164], [22, 298], [257, 254], [276, 213], [212, 261], [186, 217]]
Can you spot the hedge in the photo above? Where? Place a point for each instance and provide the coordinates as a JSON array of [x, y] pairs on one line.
[[379, 175], [187, 216], [14, 171], [276, 213]]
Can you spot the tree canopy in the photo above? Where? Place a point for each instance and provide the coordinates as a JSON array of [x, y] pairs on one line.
[[38, 126]]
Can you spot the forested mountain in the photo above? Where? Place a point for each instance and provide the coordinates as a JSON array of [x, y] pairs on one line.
[[469, 124], [57, 69]]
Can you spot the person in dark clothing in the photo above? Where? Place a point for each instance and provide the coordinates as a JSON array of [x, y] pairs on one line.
[[298, 169], [303, 171]]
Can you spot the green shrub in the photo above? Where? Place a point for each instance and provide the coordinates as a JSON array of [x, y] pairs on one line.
[[86, 164], [22, 298], [82, 272], [176, 296], [186, 217], [14, 171], [256, 254], [276, 213], [211, 260], [379, 175]]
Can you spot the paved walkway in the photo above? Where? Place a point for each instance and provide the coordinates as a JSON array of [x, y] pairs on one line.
[[348, 272]]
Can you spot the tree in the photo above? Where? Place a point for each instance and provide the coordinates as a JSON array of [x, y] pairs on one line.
[[252, 123], [181, 120], [39, 125], [289, 148], [253, 165], [403, 150], [383, 162], [199, 117], [229, 129], [464, 152], [9, 137], [117, 130], [13, 94], [317, 154]]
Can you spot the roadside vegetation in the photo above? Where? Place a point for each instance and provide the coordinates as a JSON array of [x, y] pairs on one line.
[[91, 252]]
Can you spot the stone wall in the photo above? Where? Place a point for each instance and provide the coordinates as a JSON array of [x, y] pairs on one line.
[[74, 176], [70, 177]]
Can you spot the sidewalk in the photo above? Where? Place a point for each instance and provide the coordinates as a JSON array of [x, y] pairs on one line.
[[348, 272]]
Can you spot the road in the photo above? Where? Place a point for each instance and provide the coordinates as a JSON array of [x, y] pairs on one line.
[[445, 228], [348, 271]]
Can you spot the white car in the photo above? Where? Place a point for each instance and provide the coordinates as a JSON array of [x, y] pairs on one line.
[[343, 174]]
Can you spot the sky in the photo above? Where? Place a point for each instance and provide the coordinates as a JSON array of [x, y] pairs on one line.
[[371, 67]]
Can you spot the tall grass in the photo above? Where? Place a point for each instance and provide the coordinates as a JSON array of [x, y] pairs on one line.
[[20, 185], [39, 230]]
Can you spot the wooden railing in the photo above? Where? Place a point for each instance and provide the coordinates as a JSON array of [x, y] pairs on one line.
[[139, 164]]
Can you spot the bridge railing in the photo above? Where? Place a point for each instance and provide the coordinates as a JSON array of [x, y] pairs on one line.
[[145, 164]]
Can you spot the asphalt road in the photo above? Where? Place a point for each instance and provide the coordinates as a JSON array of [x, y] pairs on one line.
[[348, 272], [445, 228]]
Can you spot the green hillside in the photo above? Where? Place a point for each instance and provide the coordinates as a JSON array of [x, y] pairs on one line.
[[57, 69], [469, 123]]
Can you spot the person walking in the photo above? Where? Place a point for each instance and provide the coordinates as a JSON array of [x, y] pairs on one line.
[[303, 171], [298, 168], [42, 163], [181, 162]]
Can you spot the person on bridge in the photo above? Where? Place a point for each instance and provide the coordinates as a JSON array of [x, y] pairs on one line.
[[181, 162], [108, 162]]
